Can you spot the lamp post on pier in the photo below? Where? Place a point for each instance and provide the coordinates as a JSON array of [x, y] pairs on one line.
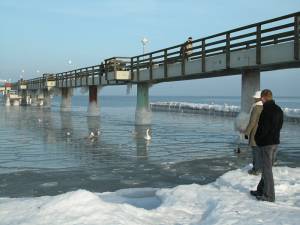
[[144, 41]]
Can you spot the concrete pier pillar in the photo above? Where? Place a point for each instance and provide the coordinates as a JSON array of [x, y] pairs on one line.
[[16, 102], [28, 97], [7, 100], [142, 113], [93, 108], [40, 97], [33, 98], [250, 84], [47, 99], [66, 99], [23, 97]]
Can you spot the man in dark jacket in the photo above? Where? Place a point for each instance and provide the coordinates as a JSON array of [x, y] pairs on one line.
[[267, 138]]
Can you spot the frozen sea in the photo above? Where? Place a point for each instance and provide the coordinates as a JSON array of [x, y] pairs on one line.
[[46, 152]]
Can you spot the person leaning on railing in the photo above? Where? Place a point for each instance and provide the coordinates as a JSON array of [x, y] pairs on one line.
[[186, 48]]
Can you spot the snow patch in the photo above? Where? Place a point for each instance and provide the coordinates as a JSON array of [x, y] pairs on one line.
[[225, 201]]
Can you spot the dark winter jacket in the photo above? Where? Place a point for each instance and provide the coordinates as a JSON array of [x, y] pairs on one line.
[[269, 125]]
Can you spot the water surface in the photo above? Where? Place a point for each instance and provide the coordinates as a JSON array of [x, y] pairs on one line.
[[46, 152]]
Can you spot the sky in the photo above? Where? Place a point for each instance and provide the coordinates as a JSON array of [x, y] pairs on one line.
[[41, 36]]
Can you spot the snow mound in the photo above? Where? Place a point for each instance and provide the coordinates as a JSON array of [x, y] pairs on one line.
[[225, 201], [186, 107], [214, 109], [291, 112]]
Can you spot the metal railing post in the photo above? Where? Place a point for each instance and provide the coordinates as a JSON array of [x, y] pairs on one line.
[[86, 76], [93, 76], [101, 71], [150, 67], [296, 39], [165, 63], [131, 68], [183, 62], [258, 44], [106, 69], [203, 55], [227, 50], [138, 69], [75, 75], [56, 80]]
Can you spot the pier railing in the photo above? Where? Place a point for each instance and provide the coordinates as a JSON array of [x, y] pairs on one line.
[[80, 74], [255, 36]]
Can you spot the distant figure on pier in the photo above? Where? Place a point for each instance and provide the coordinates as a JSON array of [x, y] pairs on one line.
[[267, 138], [102, 68], [250, 132], [186, 48]]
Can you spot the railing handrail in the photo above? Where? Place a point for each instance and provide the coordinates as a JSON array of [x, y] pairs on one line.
[[162, 56], [226, 32]]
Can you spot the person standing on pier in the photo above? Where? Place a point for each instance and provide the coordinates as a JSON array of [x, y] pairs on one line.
[[250, 132], [267, 138], [186, 48]]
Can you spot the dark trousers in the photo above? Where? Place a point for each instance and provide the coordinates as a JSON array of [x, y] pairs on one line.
[[257, 158], [266, 184]]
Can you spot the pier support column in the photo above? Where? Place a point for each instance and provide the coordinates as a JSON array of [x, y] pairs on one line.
[[93, 108], [40, 97], [47, 99], [28, 100], [250, 84], [66, 98], [23, 97], [142, 113], [7, 100], [16, 102], [34, 98]]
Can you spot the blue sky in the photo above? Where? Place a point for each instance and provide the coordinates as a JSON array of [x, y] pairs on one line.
[[44, 34]]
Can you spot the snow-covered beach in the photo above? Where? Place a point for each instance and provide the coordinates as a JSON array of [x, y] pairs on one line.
[[225, 201]]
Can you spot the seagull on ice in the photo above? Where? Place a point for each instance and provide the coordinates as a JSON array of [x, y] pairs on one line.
[[68, 133], [147, 137], [40, 120]]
